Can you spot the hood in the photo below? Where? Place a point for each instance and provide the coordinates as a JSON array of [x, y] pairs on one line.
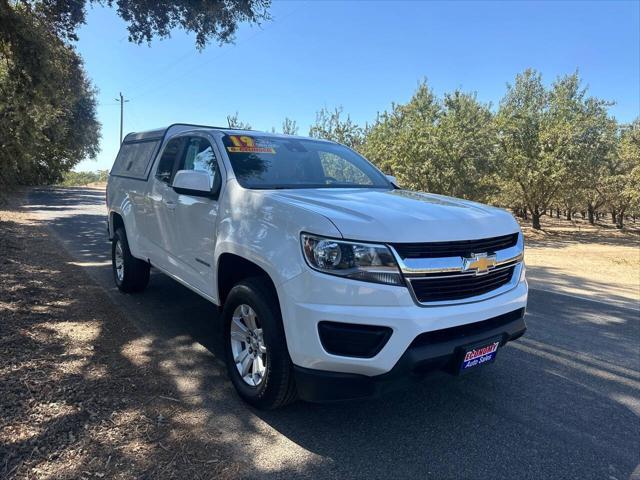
[[396, 216]]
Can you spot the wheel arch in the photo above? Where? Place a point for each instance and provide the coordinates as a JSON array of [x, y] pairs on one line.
[[115, 221], [233, 268]]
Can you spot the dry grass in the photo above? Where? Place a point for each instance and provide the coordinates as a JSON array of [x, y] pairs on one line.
[[597, 261]]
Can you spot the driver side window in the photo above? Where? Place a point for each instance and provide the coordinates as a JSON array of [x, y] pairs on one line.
[[164, 171], [199, 157]]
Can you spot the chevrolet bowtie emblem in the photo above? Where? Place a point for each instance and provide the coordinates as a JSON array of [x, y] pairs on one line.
[[480, 263]]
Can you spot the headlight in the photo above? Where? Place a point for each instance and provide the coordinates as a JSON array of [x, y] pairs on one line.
[[359, 261]]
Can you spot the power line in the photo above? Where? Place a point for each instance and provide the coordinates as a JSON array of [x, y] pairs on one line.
[[159, 87]]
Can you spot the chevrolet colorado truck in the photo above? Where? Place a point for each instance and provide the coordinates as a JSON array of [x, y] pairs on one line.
[[333, 282]]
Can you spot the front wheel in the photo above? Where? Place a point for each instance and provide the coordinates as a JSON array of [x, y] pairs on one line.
[[256, 351], [129, 273]]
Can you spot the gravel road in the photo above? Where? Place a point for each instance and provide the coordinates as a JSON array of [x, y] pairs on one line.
[[562, 402]]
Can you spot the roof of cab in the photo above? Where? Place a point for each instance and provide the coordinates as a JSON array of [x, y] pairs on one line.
[[162, 133]]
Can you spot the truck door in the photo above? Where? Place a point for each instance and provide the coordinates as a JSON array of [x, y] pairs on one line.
[[194, 220], [158, 223]]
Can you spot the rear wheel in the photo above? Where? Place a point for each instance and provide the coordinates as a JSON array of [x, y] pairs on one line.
[[129, 273], [256, 350]]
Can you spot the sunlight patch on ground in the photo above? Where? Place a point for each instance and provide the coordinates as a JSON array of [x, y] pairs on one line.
[[91, 264], [138, 350]]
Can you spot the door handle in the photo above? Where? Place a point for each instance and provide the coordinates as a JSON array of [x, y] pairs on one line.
[[169, 204]]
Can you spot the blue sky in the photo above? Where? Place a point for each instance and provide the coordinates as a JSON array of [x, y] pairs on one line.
[[361, 55]]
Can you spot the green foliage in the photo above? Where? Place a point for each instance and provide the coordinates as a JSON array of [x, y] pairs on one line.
[[544, 147], [233, 121], [465, 141], [588, 137], [71, 179], [331, 126], [621, 187], [553, 143], [525, 140], [47, 104], [400, 141], [209, 20], [442, 147], [289, 127]]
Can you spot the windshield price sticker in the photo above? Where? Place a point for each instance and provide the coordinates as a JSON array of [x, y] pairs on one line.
[[246, 144]]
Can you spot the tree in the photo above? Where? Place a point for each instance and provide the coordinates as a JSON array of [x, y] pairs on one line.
[[47, 104], [465, 147], [587, 139], [289, 127], [533, 139], [234, 122], [330, 126], [554, 143], [400, 142], [146, 20], [439, 146], [621, 188]]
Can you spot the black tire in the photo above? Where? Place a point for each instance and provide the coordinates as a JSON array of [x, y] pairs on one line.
[[277, 387], [135, 273]]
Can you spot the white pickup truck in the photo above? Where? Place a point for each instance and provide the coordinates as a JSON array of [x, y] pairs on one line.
[[333, 282]]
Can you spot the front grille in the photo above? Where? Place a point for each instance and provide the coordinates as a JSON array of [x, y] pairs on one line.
[[462, 248], [440, 288]]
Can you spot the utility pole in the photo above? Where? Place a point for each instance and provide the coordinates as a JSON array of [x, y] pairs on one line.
[[122, 102]]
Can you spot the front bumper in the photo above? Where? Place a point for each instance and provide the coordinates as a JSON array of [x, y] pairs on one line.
[[313, 297], [438, 350]]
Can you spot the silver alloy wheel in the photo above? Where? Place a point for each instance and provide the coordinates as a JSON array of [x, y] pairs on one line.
[[247, 345], [119, 260]]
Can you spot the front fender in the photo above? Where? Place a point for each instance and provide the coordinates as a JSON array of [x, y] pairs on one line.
[[266, 231]]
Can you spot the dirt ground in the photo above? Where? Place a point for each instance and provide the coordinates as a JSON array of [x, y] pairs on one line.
[[599, 262], [79, 397]]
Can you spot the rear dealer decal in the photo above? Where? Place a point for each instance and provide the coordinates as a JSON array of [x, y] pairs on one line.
[[245, 144]]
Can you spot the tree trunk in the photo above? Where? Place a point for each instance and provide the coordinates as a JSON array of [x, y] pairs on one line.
[[620, 220], [558, 212], [613, 216], [525, 216], [583, 215], [590, 213], [535, 218], [568, 214]]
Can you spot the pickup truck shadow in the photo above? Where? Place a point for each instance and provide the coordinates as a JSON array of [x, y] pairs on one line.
[[560, 403]]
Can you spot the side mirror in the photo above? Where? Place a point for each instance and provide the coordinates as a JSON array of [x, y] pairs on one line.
[[393, 180], [190, 182]]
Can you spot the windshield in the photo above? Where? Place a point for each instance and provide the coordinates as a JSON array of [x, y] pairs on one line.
[[279, 162]]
